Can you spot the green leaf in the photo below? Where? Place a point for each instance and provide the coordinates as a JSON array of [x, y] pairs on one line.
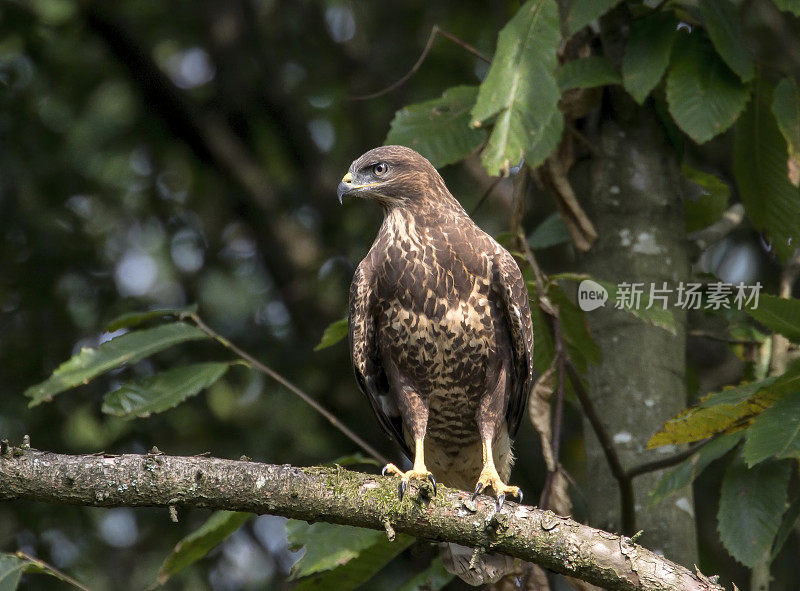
[[750, 508], [521, 91], [132, 319], [781, 315], [787, 526], [550, 232], [335, 332], [775, 432], [587, 73], [200, 542], [759, 165], [704, 96], [584, 12], [655, 315], [11, 569], [723, 26], [327, 545], [692, 467], [786, 108], [162, 391], [792, 6], [433, 578], [359, 569], [647, 53], [125, 349], [712, 202], [439, 129]]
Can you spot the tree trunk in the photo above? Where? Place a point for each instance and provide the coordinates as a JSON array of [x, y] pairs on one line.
[[635, 203]]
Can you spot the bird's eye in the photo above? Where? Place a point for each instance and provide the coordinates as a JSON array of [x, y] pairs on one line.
[[380, 169]]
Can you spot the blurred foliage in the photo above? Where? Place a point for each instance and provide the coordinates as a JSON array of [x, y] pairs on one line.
[[156, 155]]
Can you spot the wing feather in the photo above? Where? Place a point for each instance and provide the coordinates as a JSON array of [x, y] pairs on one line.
[[369, 371], [509, 284]]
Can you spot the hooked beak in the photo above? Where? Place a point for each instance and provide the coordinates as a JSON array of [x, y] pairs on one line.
[[345, 187]]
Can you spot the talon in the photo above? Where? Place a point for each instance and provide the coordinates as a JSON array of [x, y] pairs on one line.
[[383, 470], [401, 489], [501, 498], [519, 496], [478, 490], [433, 483]]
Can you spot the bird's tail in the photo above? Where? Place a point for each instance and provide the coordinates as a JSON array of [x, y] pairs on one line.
[[475, 569]]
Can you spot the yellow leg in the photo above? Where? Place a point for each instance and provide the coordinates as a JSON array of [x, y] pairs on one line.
[[490, 478], [419, 471]]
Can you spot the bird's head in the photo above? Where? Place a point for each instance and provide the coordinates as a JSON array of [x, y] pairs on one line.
[[392, 176]]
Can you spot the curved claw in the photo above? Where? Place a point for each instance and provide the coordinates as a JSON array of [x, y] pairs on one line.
[[501, 498], [433, 483], [401, 489], [519, 496], [478, 490], [383, 470]]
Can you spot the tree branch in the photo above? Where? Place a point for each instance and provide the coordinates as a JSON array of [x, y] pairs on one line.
[[341, 496]]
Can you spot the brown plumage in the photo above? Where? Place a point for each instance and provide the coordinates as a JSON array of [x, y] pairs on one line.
[[441, 336]]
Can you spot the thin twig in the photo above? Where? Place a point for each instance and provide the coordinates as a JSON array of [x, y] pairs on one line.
[[51, 569], [255, 363], [560, 352], [667, 462], [428, 45], [705, 334], [610, 452], [485, 196]]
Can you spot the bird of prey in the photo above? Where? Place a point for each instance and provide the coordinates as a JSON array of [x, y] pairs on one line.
[[441, 336]]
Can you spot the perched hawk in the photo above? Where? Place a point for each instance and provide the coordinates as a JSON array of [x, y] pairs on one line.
[[441, 336]]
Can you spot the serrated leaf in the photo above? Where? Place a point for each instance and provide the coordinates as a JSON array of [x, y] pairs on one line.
[[162, 391], [775, 433], [781, 315], [724, 27], [327, 545], [704, 96], [132, 319], [647, 53], [219, 527], [710, 204], [759, 165], [550, 232], [792, 6], [433, 578], [335, 332], [521, 91], [11, 569], [359, 569], [584, 12], [787, 526], [692, 467], [726, 411], [655, 314], [125, 349], [587, 73], [439, 129], [751, 504], [786, 108]]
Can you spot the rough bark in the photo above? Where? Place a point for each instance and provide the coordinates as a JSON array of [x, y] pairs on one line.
[[634, 201], [341, 496]]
